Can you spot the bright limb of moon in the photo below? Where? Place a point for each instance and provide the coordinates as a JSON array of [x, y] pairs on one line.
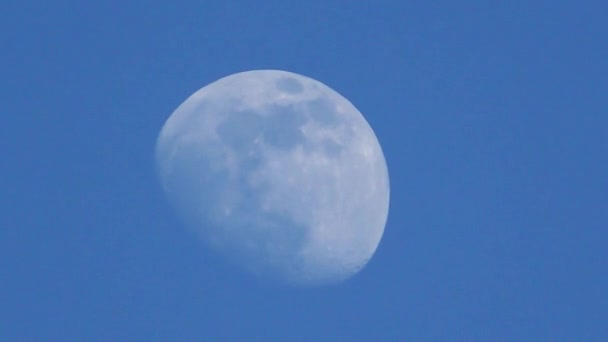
[[279, 173]]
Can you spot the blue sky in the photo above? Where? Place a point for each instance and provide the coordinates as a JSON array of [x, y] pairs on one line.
[[493, 119]]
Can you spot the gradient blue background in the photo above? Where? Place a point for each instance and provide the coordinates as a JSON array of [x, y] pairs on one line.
[[493, 119]]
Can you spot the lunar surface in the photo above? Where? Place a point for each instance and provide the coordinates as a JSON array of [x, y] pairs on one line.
[[279, 173]]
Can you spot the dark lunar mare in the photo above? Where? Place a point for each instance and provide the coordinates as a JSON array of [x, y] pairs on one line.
[[289, 85], [271, 237]]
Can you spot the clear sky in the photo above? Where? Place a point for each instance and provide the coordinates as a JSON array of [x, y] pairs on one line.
[[493, 119]]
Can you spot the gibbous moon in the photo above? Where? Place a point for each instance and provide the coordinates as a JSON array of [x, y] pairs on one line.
[[279, 173]]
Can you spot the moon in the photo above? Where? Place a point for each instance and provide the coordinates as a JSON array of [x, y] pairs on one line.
[[278, 173]]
